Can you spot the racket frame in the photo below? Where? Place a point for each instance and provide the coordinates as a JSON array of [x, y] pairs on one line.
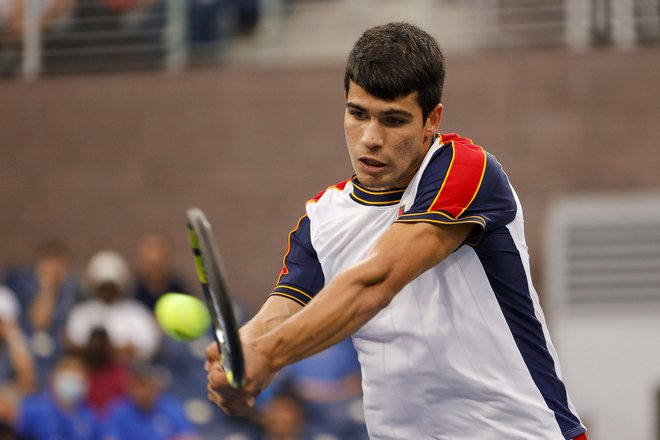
[[208, 264]]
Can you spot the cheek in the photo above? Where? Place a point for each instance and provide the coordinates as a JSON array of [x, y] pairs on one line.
[[407, 148], [351, 130], [352, 135]]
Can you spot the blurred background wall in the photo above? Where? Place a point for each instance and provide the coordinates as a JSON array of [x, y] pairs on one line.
[[98, 160], [247, 125]]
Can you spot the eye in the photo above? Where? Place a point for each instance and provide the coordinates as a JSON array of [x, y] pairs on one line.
[[359, 115], [392, 121]]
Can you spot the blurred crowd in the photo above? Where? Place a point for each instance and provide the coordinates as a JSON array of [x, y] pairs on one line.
[[103, 33], [82, 357]]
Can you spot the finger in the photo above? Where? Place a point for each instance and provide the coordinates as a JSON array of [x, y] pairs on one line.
[[215, 397], [211, 352], [227, 392], [217, 379], [230, 406], [212, 365], [238, 411]]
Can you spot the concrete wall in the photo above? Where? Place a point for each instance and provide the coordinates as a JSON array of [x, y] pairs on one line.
[[97, 160]]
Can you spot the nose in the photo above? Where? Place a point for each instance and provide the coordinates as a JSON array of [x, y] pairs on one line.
[[372, 136]]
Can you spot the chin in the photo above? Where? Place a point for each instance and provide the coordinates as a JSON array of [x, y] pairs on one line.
[[379, 183], [375, 184]]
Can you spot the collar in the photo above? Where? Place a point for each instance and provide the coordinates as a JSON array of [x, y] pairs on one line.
[[371, 197]]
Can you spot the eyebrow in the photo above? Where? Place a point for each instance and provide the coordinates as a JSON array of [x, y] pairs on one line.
[[388, 112]]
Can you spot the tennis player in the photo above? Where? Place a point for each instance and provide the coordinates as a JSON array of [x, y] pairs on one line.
[[421, 258]]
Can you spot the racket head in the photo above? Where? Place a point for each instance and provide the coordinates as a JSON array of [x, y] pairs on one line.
[[210, 272]]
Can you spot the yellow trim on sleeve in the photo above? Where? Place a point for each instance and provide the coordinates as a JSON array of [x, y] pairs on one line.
[[284, 286], [288, 296], [451, 164]]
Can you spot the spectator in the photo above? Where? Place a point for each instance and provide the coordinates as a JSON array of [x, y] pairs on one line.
[[117, 15], [10, 61], [17, 375], [60, 412], [283, 418], [108, 376], [131, 327], [155, 275], [16, 365], [215, 20], [147, 413], [8, 433], [53, 15], [10, 20], [46, 292]]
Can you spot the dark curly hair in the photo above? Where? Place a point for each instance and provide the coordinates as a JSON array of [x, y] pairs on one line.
[[396, 59]]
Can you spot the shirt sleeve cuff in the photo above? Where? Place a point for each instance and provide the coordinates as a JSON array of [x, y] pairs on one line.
[[440, 218], [293, 293]]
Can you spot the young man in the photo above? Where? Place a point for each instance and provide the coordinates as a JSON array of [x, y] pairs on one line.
[[421, 257]]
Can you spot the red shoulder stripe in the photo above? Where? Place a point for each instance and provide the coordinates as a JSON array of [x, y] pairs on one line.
[[340, 186], [463, 178]]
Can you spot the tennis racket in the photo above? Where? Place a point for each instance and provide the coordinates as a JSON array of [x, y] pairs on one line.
[[209, 270]]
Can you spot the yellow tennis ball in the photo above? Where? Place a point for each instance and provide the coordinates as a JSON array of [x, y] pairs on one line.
[[183, 317]]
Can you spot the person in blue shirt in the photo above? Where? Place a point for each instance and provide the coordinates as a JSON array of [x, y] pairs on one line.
[[60, 412], [147, 413]]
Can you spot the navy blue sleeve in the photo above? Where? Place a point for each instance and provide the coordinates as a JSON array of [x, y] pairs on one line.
[[301, 277], [463, 184]]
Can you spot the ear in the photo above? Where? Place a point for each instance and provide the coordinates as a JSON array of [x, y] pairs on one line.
[[433, 121]]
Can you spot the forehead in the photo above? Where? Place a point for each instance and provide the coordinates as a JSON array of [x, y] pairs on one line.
[[359, 96]]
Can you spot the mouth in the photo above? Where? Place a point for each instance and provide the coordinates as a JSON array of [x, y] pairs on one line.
[[371, 164]]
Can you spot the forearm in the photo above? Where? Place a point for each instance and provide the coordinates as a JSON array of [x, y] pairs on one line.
[[355, 296], [21, 360], [275, 311], [340, 309]]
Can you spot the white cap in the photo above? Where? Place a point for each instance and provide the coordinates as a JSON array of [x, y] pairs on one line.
[[9, 309], [109, 267]]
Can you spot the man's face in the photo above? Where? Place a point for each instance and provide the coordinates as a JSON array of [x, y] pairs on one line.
[[386, 140]]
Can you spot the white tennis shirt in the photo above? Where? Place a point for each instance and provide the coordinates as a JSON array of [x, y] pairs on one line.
[[462, 352]]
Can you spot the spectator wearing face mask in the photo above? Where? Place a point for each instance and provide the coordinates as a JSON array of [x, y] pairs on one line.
[[61, 411]]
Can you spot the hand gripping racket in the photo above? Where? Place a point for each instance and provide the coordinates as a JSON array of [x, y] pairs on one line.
[[218, 300]]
